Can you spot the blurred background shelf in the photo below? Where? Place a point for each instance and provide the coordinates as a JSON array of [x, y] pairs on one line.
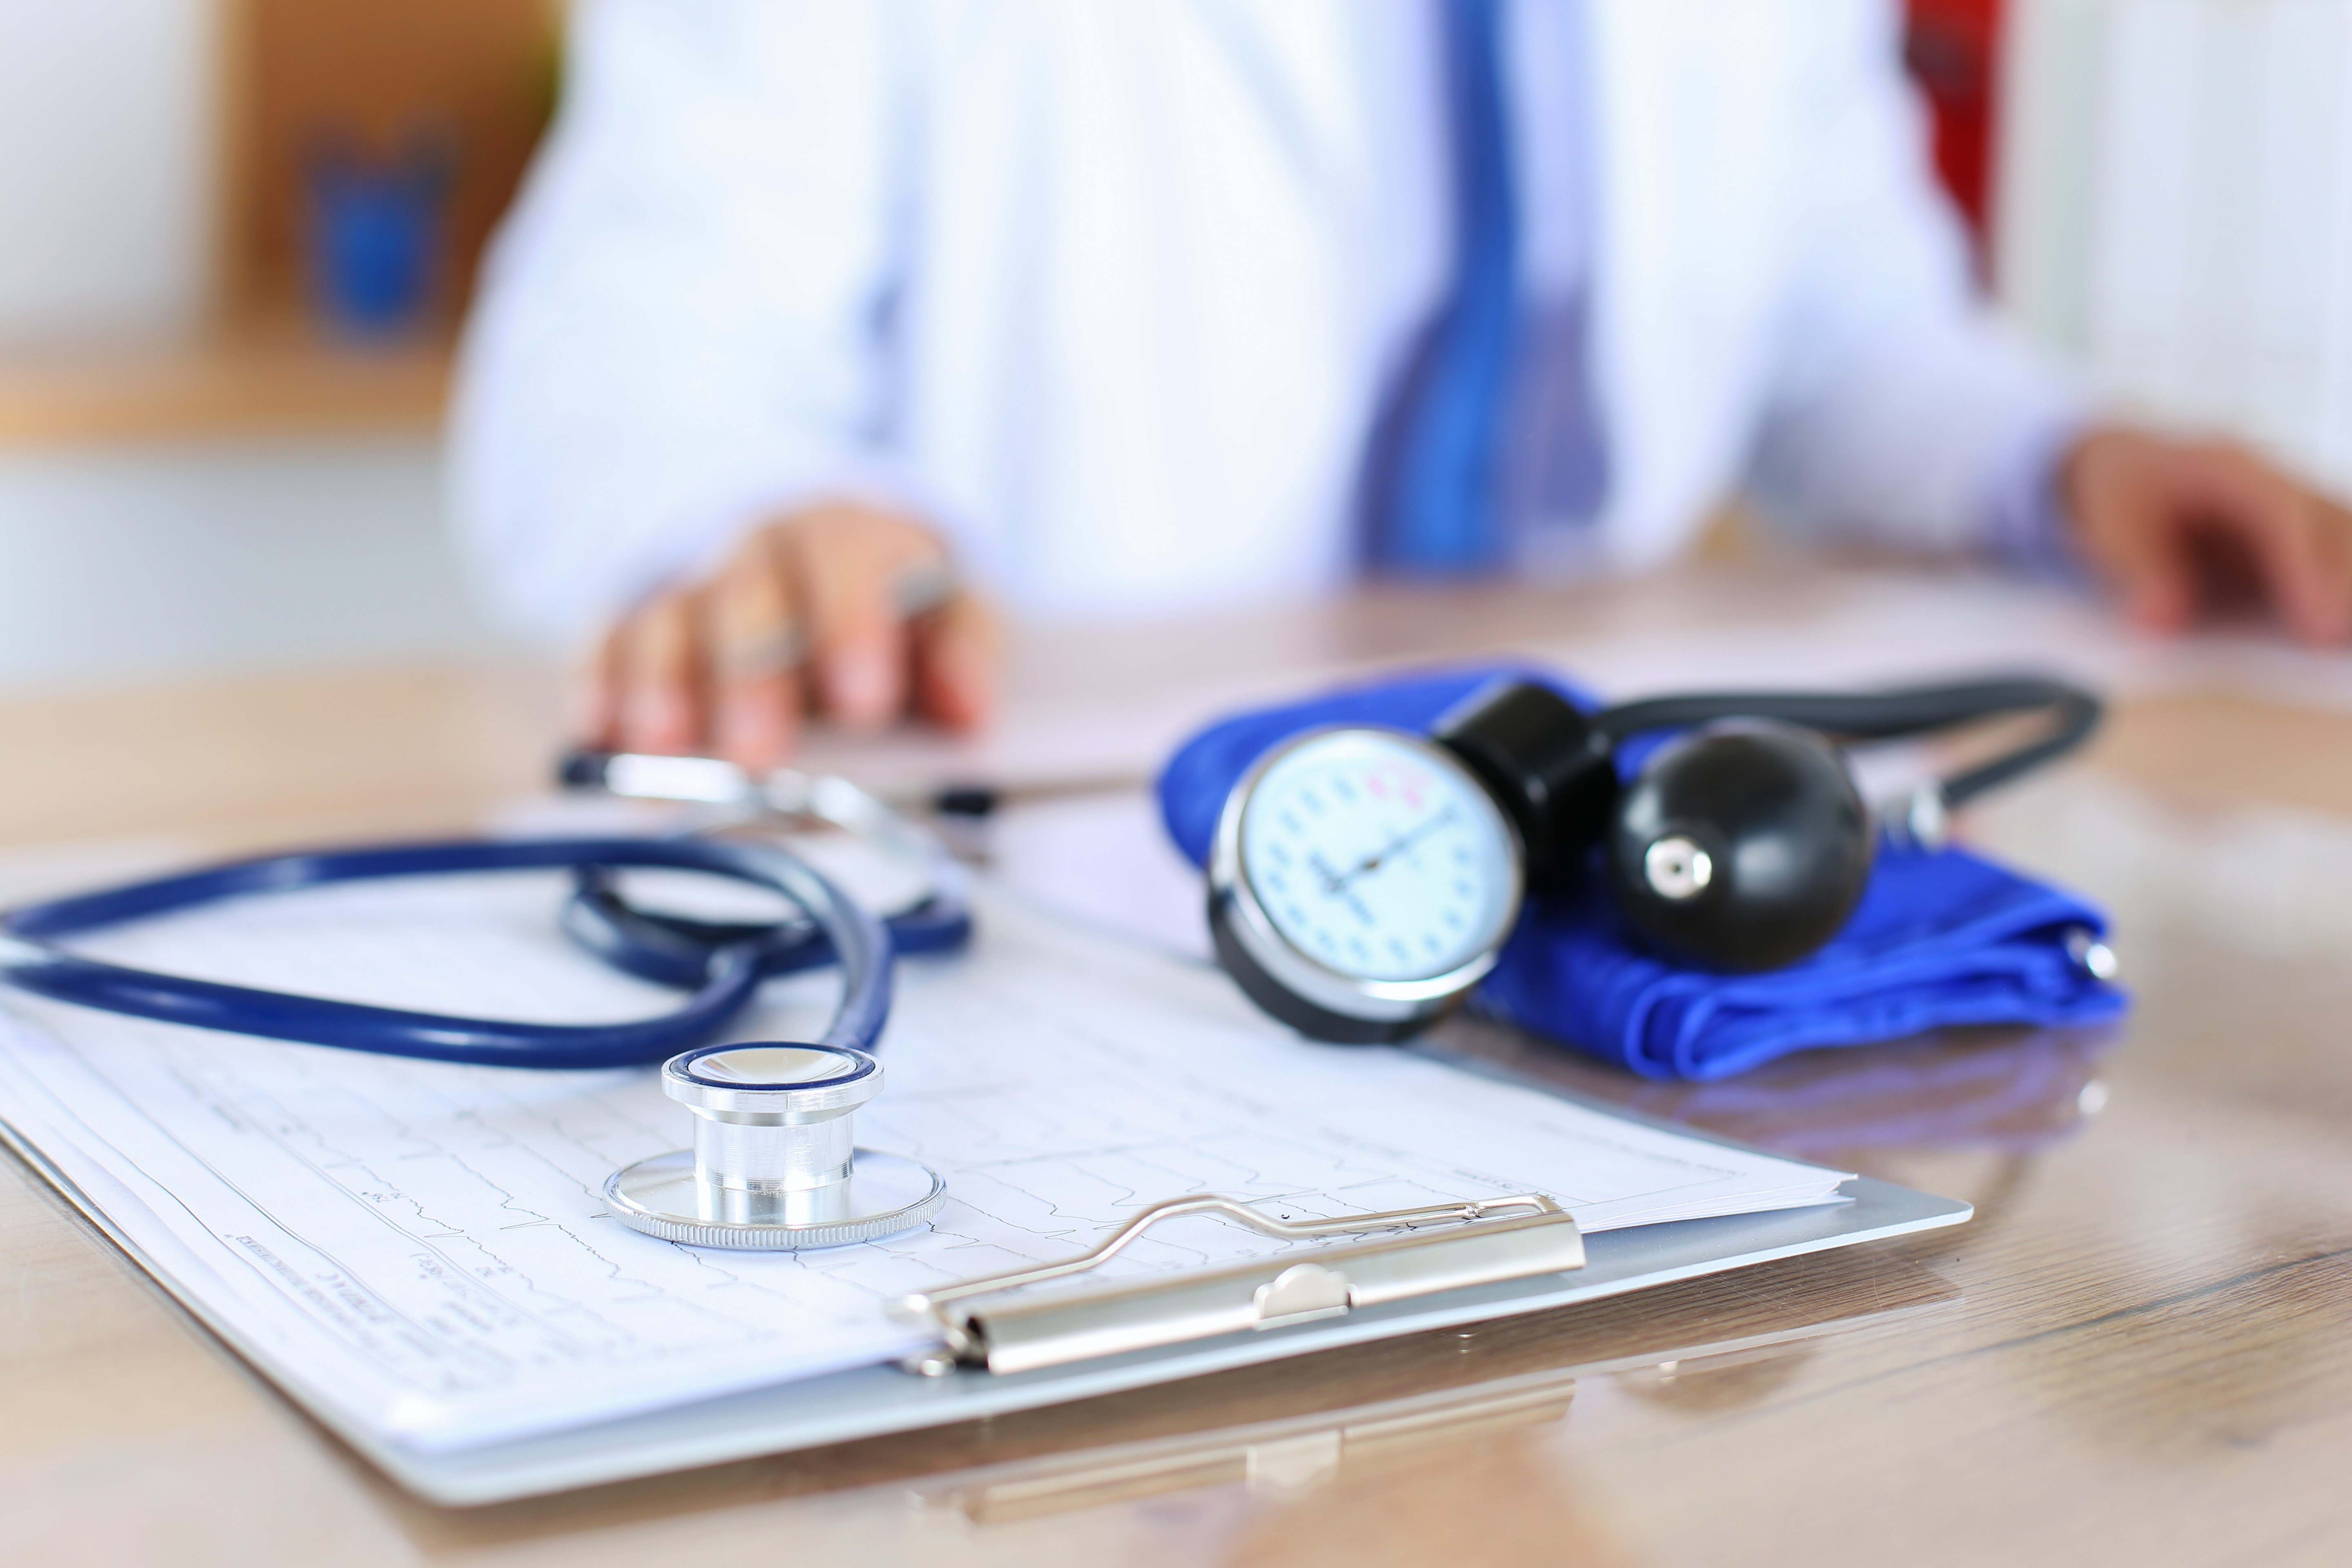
[[259, 382], [206, 466], [251, 218]]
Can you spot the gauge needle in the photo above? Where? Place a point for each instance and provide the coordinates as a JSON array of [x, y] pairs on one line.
[[1395, 845]]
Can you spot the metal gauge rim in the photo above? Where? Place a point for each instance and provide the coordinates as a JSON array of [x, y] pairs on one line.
[[888, 1194], [1234, 903]]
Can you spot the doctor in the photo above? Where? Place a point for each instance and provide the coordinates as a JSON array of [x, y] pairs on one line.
[[1129, 307]]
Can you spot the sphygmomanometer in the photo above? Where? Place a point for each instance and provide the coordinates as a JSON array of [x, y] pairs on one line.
[[1363, 879]]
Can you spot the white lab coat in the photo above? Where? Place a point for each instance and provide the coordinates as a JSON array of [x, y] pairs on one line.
[[1109, 289]]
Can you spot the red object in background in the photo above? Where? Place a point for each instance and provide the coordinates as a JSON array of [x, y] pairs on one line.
[[1953, 49]]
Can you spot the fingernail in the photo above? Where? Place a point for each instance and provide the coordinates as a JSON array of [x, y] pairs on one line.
[[967, 693], [657, 720], [2322, 627], [857, 685], [750, 734], [589, 712]]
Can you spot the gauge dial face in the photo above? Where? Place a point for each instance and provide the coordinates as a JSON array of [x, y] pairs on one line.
[[1375, 856]]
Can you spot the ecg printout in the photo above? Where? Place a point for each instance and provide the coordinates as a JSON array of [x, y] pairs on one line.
[[422, 1248]]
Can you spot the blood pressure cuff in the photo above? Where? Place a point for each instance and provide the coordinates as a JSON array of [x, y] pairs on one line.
[[1941, 937]]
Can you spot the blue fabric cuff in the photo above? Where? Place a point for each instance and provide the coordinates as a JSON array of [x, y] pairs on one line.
[[1942, 938]]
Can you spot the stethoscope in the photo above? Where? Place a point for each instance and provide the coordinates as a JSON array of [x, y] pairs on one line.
[[771, 1167]]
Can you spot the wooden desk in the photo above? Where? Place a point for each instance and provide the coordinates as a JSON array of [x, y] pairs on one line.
[[2140, 1350]]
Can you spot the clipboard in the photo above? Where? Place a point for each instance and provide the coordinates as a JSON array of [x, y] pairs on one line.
[[873, 1400], [876, 1401], [1298, 1439]]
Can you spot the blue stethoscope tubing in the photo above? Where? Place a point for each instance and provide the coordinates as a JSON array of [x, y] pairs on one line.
[[724, 981]]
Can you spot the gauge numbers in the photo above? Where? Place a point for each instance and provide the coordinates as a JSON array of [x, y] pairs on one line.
[[1378, 858]]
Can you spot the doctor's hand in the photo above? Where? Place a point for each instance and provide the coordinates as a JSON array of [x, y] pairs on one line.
[[2187, 529], [841, 610]]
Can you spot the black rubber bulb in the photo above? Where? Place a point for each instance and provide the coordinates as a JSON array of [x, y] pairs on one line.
[[1742, 847]]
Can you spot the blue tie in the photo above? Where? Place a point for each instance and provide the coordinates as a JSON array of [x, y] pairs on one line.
[[1435, 490]]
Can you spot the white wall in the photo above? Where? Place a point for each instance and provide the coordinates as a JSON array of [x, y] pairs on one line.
[[105, 161], [137, 564], [2176, 209]]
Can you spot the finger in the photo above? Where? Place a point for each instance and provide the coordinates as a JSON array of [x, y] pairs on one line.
[[2136, 541], [847, 568], [2336, 535], [659, 706], [2318, 605], [958, 661], [2284, 529], [596, 695], [2302, 574], [752, 631]]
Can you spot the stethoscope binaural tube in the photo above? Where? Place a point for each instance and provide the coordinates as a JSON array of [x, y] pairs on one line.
[[674, 949], [30, 960], [2073, 713]]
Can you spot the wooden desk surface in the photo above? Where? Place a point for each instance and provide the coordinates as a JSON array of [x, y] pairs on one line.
[[2140, 1350]]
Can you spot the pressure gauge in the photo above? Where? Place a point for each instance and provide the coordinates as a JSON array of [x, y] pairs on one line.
[[1363, 879]]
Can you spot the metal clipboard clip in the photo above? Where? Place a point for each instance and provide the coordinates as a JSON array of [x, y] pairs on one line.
[[1487, 1242]]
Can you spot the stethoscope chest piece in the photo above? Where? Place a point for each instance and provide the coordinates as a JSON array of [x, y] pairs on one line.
[[775, 1166]]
